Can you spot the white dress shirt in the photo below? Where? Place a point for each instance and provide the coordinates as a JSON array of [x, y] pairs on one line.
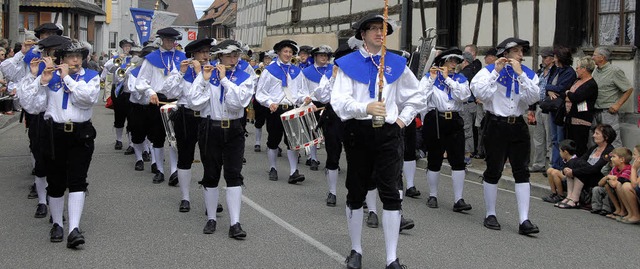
[[270, 91], [15, 69], [205, 97], [82, 96], [439, 99], [151, 79], [350, 97], [486, 88]]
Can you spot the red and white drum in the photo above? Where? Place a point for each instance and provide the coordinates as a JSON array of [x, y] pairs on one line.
[[300, 127]]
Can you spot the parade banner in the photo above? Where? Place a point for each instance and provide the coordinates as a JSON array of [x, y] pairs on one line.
[[142, 19]]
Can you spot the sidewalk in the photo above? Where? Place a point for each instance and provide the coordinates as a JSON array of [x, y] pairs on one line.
[[539, 183], [7, 120]]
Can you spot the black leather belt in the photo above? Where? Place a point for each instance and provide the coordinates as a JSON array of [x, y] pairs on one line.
[[224, 124], [509, 120], [285, 107], [190, 112], [447, 115], [69, 127]]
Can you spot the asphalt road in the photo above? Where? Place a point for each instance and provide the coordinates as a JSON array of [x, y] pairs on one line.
[[129, 222]]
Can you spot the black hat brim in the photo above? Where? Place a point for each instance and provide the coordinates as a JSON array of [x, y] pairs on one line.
[[366, 20], [286, 43], [197, 45]]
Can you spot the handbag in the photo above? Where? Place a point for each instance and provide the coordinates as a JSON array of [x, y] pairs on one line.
[[109, 103], [548, 105], [560, 115]]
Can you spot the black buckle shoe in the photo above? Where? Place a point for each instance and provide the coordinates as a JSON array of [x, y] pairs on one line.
[[210, 227], [412, 192], [33, 193], [406, 224], [139, 166], [158, 178], [273, 174], [129, 151], [75, 239], [296, 177], [527, 228], [354, 261], [154, 168], [173, 179], [396, 265], [314, 165], [308, 162], [257, 148], [118, 145], [460, 206], [219, 208], [491, 222], [146, 156], [372, 220], [432, 202], [331, 200], [236, 231], [56, 234], [185, 206], [41, 211]]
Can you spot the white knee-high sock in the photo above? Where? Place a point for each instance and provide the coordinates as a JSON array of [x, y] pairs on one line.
[[211, 201], [75, 206], [138, 149], [258, 136], [409, 170], [41, 188], [457, 177], [159, 154], [184, 179], [129, 143], [354, 223], [173, 159], [272, 154], [332, 180], [119, 134], [234, 201], [313, 152], [293, 160], [490, 196], [401, 194], [33, 161], [371, 199], [148, 147], [391, 226], [433, 178], [56, 207], [523, 191]]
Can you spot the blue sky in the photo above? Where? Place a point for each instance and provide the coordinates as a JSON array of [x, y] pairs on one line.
[[200, 6]]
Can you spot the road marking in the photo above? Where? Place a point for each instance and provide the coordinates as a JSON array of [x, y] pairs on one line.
[[334, 255], [8, 127]]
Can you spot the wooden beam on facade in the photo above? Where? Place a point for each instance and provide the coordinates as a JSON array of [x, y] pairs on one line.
[[514, 14], [536, 34], [476, 30], [494, 35]]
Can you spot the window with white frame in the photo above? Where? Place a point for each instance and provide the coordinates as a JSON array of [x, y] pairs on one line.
[[616, 22]]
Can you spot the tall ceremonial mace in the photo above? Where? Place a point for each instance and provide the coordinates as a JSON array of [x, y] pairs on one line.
[[378, 121]]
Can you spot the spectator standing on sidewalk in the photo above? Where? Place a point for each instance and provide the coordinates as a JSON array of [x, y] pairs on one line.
[[541, 139]]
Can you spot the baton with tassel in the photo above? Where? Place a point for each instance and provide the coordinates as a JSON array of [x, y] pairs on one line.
[[378, 121]]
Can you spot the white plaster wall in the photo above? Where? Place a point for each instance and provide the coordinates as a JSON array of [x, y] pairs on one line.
[[315, 12]]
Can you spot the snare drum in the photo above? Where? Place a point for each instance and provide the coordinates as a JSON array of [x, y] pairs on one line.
[[300, 128], [165, 111]]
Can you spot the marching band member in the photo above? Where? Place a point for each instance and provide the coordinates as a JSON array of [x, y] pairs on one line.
[[141, 115], [280, 88], [156, 67], [186, 120], [507, 88], [120, 98], [15, 70], [374, 155], [446, 91], [221, 93], [261, 111], [311, 79], [305, 56], [68, 92]]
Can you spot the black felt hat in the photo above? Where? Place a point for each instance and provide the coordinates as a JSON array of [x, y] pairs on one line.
[[198, 45], [169, 33], [453, 53], [322, 49], [126, 41], [286, 43], [307, 49], [47, 27], [364, 22], [342, 50], [491, 52], [510, 43], [74, 46], [53, 42], [147, 49], [227, 46]]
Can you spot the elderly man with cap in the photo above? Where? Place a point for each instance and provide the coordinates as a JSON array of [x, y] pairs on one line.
[[221, 93], [186, 120], [121, 104], [443, 128], [67, 92], [507, 88], [541, 138], [311, 80], [280, 89], [374, 155], [155, 69]]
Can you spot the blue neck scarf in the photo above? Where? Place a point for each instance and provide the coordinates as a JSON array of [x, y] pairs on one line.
[[56, 83], [507, 76], [278, 70], [354, 64], [315, 75], [238, 77], [166, 60]]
